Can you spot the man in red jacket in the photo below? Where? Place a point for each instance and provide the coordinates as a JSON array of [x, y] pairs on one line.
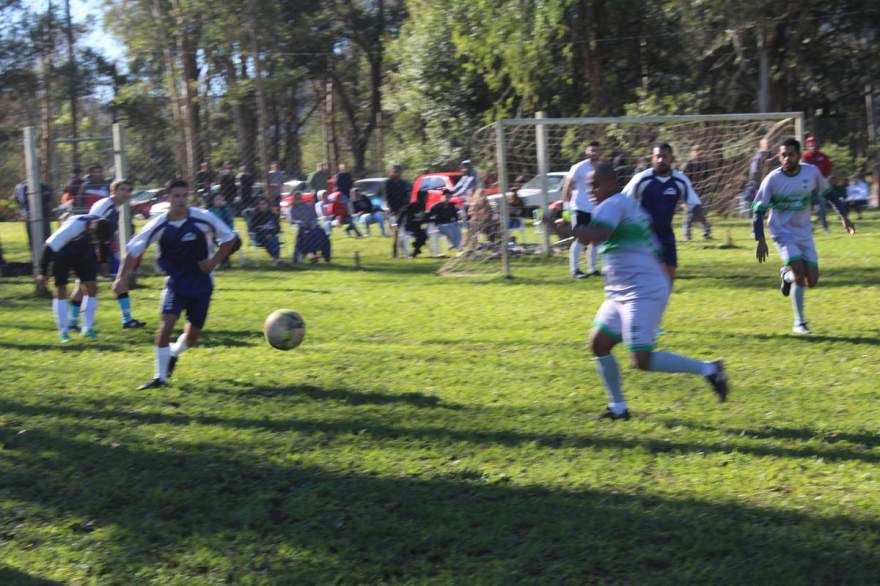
[[814, 156]]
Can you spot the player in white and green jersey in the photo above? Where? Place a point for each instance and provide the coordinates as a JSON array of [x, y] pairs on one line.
[[636, 292], [787, 192]]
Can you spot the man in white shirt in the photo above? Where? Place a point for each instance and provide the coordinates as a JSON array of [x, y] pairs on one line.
[[576, 197]]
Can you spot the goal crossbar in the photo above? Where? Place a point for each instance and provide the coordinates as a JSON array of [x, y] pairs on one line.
[[649, 119]]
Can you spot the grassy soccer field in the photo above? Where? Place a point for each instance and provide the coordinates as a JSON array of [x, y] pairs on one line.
[[439, 430]]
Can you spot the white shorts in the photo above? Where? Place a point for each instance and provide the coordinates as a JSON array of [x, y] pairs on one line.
[[803, 249], [635, 322]]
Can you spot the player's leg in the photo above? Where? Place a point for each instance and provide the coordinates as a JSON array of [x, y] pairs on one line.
[[797, 277], [75, 306], [639, 321], [669, 254], [89, 307], [170, 306], [604, 336], [196, 315], [59, 300]]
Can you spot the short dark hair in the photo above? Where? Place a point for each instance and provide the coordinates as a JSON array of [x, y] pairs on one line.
[[104, 230], [663, 146], [604, 171], [792, 143], [594, 143], [176, 182]]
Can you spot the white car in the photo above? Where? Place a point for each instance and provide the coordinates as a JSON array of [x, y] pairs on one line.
[[530, 192]]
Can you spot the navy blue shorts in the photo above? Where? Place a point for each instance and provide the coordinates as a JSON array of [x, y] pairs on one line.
[[196, 306], [669, 254]]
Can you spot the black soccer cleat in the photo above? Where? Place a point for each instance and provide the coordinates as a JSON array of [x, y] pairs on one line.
[[172, 362], [785, 286], [579, 275], [609, 414], [153, 384], [719, 382], [133, 323]]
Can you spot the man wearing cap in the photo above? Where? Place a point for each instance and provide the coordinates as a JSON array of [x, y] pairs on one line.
[[815, 157], [468, 182]]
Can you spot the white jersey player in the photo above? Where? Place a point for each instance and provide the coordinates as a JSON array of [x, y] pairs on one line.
[[636, 292], [576, 197], [787, 192]]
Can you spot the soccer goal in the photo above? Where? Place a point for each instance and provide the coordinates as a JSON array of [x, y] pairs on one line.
[[534, 154]]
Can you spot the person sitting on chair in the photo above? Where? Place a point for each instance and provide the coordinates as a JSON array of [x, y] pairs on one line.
[[310, 237], [411, 218], [365, 212]]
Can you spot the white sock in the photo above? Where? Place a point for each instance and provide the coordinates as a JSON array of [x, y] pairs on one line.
[[90, 305], [163, 355], [179, 347], [593, 253], [59, 308]]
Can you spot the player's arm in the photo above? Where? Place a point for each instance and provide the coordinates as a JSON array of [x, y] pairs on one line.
[[134, 250], [45, 258], [759, 208], [227, 239], [567, 189]]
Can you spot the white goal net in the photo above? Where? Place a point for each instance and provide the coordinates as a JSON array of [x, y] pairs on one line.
[[533, 155]]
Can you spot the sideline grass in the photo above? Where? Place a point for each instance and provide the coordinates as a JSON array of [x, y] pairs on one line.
[[435, 430]]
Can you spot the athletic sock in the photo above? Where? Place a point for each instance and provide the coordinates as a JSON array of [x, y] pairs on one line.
[[609, 372], [91, 305], [74, 312], [163, 355], [670, 362], [797, 304], [59, 308], [574, 256], [593, 253], [179, 347], [124, 307]]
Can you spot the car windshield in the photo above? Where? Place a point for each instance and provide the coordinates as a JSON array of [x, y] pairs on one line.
[[553, 181], [369, 187]]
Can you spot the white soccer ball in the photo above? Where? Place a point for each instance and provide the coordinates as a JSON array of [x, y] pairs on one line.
[[284, 329]]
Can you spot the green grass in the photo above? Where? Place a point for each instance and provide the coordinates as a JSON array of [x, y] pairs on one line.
[[439, 430]]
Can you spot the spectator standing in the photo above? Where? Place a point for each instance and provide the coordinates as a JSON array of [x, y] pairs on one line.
[[762, 163], [21, 196], [204, 179], [310, 238], [698, 170], [94, 187], [317, 179], [220, 209], [823, 162], [857, 194], [263, 225], [344, 182], [515, 207], [412, 218], [366, 212], [277, 177], [71, 190], [444, 215], [482, 219], [467, 184], [228, 188], [396, 197], [246, 187]]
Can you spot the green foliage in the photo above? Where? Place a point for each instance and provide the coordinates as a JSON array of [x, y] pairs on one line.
[[845, 162], [440, 431]]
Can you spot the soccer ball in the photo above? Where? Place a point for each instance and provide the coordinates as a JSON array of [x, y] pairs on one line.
[[284, 329]]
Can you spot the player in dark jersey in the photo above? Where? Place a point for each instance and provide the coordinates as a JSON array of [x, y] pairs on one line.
[[108, 208], [660, 190], [186, 238], [72, 246]]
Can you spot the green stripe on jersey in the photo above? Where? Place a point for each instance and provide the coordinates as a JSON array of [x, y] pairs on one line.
[[628, 234], [791, 202]]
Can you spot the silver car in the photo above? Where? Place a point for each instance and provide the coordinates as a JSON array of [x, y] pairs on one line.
[[530, 192]]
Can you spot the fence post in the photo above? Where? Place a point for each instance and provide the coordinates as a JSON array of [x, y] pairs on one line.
[[36, 218], [501, 155], [120, 165], [541, 145]]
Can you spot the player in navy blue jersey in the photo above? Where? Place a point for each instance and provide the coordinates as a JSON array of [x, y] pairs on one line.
[[108, 208], [660, 190], [72, 246], [185, 237]]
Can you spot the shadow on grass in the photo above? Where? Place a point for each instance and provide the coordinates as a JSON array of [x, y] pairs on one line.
[[349, 397], [12, 577], [811, 339], [253, 520], [866, 439], [75, 345]]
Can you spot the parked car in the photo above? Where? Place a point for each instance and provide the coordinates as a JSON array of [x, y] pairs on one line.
[[374, 188], [435, 184], [144, 199], [530, 192]]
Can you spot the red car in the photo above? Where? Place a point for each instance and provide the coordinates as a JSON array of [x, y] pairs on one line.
[[435, 183]]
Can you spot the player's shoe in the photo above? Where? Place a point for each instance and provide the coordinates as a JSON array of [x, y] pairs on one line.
[[594, 274], [609, 414], [802, 329], [64, 338], [153, 384], [172, 362], [785, 286], [133, 323], [579, 275], [90, 334], [73, 328], [719, 382]]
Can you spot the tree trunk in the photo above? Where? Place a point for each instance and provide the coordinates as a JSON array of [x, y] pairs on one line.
[[73, 82], [172, 78], [46, 59], [262, 112], [186, 53]]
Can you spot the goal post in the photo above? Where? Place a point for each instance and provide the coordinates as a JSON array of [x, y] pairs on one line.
[[541, 150]]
